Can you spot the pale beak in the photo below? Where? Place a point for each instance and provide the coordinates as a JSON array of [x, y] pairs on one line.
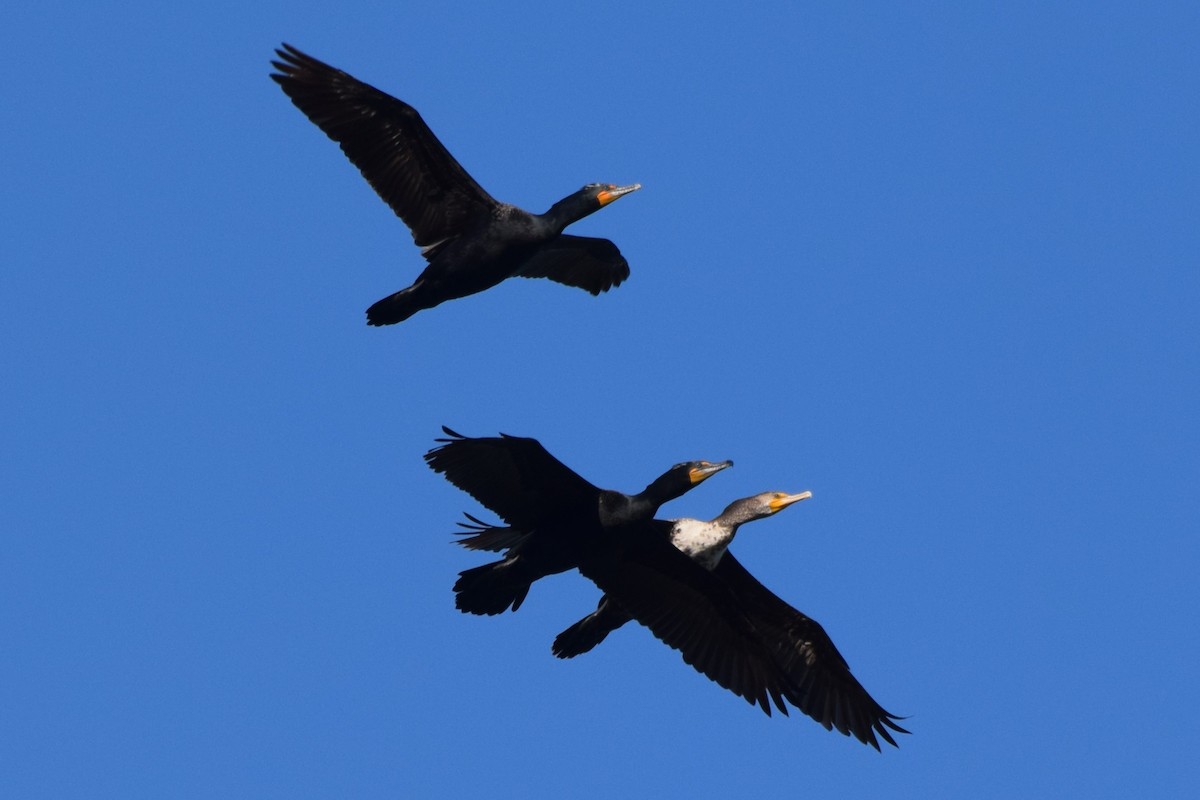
[[698, 474], [783, 501], [608, 195]]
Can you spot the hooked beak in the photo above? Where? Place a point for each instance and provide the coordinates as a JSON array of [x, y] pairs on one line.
[[608, 195], [784, 500], [698, 474]]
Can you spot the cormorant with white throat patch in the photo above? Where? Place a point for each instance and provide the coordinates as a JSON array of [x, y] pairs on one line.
[[687, 614]]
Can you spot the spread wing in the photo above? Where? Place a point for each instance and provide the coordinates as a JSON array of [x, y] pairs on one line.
[[823, 687], [594, 265], [688, 609], [390, 144], [513, 476]]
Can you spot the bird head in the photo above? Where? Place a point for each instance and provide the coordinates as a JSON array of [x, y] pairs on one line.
[[682, 478], [760, 505], [699, 471]]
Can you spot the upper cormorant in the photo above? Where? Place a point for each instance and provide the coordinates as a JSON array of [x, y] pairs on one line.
[[471, 241], [554, 513]]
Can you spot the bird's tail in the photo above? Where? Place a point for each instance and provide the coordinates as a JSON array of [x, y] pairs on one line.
[[492, 588], [591, 630], [478, 535]]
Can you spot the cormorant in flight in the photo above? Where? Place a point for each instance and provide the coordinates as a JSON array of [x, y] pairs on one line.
[[819, 681], [705, 542], [677, 578], [553, 512], [471, 241]]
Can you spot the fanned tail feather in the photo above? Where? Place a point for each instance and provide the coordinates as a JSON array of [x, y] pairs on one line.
[[479, 535], [492, 588]]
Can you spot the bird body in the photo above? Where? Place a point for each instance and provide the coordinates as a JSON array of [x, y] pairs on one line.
[[556, 517], [703, 541], [678, 579], [470, 240]]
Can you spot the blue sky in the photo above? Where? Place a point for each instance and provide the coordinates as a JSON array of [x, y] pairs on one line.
[[936, 264]]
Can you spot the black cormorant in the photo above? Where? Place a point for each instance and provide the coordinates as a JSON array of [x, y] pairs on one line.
[[471, 241], [705, 542], [677, 578], [697, 598], [554, 513]]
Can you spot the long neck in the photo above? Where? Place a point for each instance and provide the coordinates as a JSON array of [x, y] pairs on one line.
[[665, 487], [714, 538], [737, 513], [571, 208]]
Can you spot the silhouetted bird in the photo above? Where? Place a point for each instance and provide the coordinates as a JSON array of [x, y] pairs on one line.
[[471, 241], [554, 513], [676, 578], [705, 542], [688, 615]]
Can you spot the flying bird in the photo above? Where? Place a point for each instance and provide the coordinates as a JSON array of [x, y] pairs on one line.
[[470, 240], [677, 578], [704, 541], [682, 609], [554, 514]]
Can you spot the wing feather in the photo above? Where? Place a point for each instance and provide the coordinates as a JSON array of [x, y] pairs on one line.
[[390, 144], [594, 265], [514, 476], [685, 607], [824, 687]]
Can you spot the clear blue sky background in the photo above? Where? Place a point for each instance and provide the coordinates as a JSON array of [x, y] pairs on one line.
[[938, 265]]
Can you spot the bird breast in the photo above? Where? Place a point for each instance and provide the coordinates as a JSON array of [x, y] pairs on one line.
[[703, 542]]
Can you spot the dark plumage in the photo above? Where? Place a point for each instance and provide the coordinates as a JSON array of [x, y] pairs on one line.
[[471, 241], [555, 514], [705, 542], [714, 623], [661, 573]]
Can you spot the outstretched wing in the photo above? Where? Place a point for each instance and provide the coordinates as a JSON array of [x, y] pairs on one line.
[[594, 265], [687, 609], [823, 687], [390, 144], [513, 476]]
